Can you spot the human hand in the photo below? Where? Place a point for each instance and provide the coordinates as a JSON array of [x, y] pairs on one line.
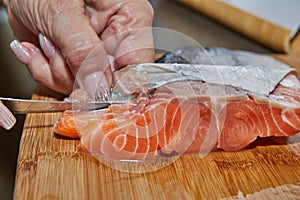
[[72, 30], [7, 120]]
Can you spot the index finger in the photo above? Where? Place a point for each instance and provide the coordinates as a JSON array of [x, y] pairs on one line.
[[77, 40]]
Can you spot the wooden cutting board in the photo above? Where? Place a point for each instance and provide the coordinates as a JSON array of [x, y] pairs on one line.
[[51, 167]]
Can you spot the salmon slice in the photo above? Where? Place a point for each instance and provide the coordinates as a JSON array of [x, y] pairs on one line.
[[173, 119], [66, 125], [163, 124]]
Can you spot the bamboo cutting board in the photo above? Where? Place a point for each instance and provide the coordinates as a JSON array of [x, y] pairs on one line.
[[51, 167]]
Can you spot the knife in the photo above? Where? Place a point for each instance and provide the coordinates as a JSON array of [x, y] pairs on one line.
[[23, 106]]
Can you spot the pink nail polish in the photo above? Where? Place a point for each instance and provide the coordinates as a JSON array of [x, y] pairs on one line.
[[7, 120], [47, 46], [20, 51]]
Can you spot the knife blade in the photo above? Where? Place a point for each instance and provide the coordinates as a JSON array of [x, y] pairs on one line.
[[24, 106]]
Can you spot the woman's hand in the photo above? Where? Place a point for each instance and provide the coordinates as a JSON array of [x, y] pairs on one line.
[[61, 39]]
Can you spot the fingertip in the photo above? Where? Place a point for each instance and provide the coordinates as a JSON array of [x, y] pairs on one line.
[[49, 70], [7, 119]]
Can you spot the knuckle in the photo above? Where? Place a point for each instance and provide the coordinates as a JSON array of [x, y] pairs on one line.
[[77, 52]]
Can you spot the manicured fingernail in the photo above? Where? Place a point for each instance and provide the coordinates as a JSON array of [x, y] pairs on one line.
[[46, 45], [20, 51], [7, 120]]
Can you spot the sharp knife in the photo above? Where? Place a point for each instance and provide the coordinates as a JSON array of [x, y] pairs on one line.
[[23, 106]]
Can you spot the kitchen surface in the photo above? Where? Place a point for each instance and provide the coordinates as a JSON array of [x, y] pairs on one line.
[[15, 81]]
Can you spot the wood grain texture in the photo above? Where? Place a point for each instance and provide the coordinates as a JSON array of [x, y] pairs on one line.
[[51, 167]]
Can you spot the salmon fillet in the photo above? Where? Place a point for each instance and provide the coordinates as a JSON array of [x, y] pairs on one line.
[[165, 122], [172, 115]]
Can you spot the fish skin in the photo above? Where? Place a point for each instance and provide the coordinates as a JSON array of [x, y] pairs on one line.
[[227, 117], [185, 123]]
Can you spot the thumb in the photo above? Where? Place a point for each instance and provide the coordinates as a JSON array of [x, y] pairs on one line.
[[66, 24]]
